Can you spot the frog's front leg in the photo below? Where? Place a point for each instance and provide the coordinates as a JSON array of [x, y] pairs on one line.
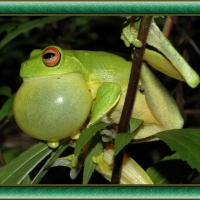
[[108, 94], [160, 103], [105, 95]]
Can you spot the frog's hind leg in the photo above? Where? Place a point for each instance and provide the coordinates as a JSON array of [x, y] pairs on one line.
[[161, 105], [160, 101]]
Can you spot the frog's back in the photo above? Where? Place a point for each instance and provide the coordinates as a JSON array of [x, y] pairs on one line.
[[102, 66]]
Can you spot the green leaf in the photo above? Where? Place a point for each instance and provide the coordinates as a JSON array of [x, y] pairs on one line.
[[186, 142], [27, 180], [17, 170], [7, 27], [135, 123], [122, 139], [9, 153], [28, 26], [6, 91], [7, 108], [170, 170], [95, 149], [54, 155], [86, 135]]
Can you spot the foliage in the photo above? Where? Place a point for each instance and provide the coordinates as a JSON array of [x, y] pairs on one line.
[[18, 169], [186, 142], [160, 172], [122, 139], [20, 35]]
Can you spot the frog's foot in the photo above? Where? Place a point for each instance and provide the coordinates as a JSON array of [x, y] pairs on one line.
[[72, 143], [75, 170], [67, 162], [108, 135], [131, 173], [75, 135], [129, 40], [127, 36], [74, 160], [106, 119], [76, 165], [54, 143]]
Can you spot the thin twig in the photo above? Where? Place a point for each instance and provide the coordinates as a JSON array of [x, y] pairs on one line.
[[168, 25], [191, 111], [192, 43], [131, 93]]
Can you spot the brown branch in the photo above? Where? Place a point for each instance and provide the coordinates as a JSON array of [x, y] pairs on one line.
[[191, 111], [131, 93], [170, 21]]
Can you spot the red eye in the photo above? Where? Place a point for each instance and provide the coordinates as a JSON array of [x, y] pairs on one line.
[[51, 56]]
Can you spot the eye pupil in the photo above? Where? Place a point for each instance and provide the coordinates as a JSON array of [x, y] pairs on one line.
[[48, 55]]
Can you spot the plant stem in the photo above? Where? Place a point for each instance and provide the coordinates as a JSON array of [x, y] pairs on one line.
[[131, 93]]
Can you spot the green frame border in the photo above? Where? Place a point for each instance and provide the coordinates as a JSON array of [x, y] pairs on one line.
[[100, 7], [99, 191]]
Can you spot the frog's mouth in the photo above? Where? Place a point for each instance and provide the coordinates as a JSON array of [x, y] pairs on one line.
[[53, 76]]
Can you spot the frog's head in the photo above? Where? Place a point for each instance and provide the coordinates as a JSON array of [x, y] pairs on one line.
[[54, 100], [50, 61]]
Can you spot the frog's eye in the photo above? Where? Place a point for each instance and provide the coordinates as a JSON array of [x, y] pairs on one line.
[[51, 56]]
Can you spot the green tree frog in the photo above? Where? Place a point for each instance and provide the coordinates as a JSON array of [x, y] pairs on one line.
[[64, 91]]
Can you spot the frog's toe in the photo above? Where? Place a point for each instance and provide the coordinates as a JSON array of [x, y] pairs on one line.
[[67, 162], [53, 143], [108, 135], [75, 170]]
